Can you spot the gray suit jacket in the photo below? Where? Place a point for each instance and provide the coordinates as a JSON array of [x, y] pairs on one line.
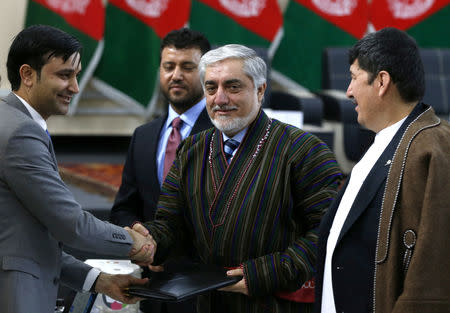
[[38, 214]]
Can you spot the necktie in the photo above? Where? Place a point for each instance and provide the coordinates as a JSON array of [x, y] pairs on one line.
[[172, 145], [228, 147], [48, 134]]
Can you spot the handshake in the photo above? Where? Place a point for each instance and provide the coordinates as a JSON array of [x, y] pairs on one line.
[[144, 246], [142, 253]]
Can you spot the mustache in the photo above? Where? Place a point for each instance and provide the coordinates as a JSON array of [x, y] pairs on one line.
[[224, 107], [177, 84]]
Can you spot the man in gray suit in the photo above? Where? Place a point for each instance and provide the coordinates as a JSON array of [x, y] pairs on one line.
[[38, 214]]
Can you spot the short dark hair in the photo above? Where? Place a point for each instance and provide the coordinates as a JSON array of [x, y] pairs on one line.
[[185, 38], [395, 52], [35, 45]]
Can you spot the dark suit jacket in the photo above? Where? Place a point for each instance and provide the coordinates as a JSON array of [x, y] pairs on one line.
[[353, 262], [139, 191]]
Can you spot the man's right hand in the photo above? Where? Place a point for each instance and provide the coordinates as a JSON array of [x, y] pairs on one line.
[[143, 249], [144, 232]]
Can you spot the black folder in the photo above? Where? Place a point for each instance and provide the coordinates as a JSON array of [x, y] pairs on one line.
[[179, 286]]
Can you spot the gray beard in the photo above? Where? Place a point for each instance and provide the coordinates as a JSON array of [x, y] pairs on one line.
[[234, 125]]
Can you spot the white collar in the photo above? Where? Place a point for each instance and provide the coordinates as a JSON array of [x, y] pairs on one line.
[[34, 114], [389, 132]]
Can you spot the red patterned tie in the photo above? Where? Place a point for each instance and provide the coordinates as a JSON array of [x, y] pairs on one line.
[[172, 145]]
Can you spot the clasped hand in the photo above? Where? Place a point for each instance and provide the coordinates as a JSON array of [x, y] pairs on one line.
[[144, 246]]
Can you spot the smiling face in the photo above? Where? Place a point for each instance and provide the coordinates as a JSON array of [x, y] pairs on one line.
[[232, 101], [50, 92], [365, 96], [179, 77]]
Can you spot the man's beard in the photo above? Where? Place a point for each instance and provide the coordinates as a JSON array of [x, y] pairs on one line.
[[185, 103], [233, 125]]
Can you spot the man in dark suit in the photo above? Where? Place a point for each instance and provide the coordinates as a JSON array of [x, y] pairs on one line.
[[38, 214], [148, 158], [384, 244]]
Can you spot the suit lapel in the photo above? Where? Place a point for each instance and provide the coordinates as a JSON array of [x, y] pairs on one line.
[[153, 140], [13, 101], [377, 176], [327, 220], [52, 152], [369, 189]]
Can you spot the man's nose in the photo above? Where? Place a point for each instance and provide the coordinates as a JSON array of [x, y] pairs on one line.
[[349, 92], [177, 73], [73, 86], [221, 97]]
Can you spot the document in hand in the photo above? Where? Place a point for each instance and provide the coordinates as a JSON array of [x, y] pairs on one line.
[[174, 287]]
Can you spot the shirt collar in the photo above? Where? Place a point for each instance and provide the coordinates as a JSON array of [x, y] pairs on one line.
[[390, 131], [34, 114], [238, 137], [189, 117]]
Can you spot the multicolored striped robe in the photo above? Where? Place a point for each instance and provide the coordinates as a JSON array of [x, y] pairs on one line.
[[261, 214]]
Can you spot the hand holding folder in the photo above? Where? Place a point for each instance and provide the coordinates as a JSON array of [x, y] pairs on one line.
[[175, 287]]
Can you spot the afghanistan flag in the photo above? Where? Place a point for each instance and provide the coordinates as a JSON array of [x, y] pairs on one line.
[[426, 20], [84, 19], [254, 23], [309, 27], [128, 70]]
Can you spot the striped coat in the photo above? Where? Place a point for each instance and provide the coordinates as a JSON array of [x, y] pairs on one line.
[[260, 212]]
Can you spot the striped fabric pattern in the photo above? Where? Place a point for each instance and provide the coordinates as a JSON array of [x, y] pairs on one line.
[[264, 218]]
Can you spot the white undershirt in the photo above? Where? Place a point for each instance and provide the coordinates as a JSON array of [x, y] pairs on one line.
[[93, 272], [358, 176], [34, 114]]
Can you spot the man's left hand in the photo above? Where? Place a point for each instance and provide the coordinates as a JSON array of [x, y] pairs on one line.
[[240, 286], [115, 286]]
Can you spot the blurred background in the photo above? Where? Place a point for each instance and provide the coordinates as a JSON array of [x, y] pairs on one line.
[[304, 43]]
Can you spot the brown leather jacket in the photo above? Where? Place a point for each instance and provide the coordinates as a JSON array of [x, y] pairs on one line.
[[412, 271]]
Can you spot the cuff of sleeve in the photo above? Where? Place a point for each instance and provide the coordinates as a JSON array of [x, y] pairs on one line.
[[91, 278], [264, 275]]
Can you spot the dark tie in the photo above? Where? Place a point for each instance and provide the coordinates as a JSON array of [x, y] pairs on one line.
[[172, 145], [228, 147]]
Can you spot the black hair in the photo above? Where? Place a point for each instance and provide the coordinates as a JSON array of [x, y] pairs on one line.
[[35, 45], [395, 52], [185, 38]]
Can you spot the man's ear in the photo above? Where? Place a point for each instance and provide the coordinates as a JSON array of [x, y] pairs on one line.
[[260, 92], [384, 82], [27, 75]]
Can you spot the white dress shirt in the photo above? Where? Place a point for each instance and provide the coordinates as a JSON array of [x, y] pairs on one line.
[[357, 177]]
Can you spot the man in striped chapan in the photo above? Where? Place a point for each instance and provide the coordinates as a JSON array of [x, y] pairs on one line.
[[247, 194]]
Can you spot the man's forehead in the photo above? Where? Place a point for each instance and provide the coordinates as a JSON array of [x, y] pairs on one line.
[[354, 67], [184, 52], [227, 67], [73, 62]]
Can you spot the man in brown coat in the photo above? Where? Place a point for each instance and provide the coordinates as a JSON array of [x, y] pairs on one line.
[[384, 243]]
